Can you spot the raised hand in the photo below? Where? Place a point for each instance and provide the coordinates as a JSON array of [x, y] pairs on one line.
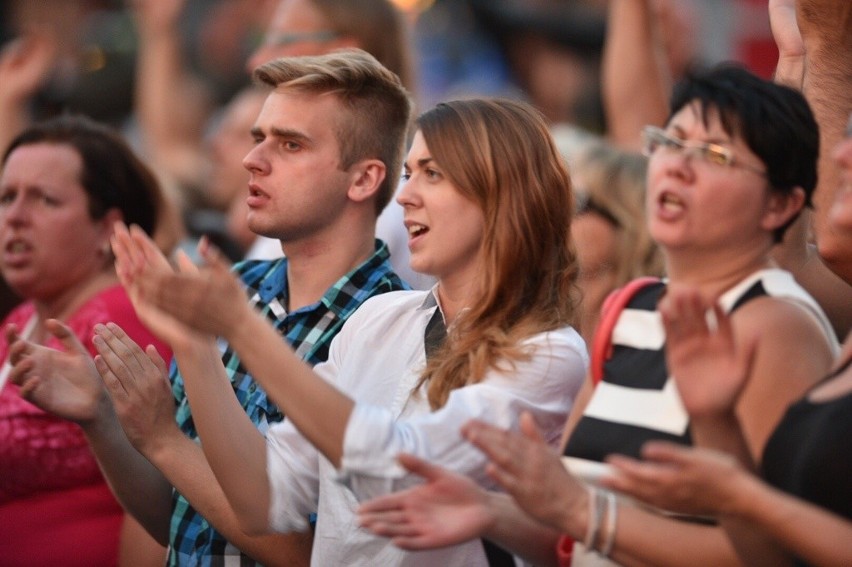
[[136, 255], [208, 300], [138, 384], [157, 16], [25, 65], [790, 69], [447, 509], [64, 383], [680, 479], [138, 260], [785, 28], [708, 367], [530, 471]]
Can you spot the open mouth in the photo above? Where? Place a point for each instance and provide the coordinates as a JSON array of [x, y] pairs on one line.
[[256, 197], [670, 202], [417, 230], [17, 246]]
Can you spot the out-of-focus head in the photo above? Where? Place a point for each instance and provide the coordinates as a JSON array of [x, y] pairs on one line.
[[610, 183], [609, 231], [376, 106], [774, 121], [230, 142], [315, 27], [63, 185]]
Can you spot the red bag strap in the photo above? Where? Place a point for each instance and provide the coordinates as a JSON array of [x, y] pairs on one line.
[[611, 310]]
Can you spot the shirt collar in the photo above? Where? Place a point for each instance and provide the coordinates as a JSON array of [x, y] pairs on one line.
[[275, 285]]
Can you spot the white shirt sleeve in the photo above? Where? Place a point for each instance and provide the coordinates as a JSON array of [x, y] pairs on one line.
[[292, 467], [545, 385]]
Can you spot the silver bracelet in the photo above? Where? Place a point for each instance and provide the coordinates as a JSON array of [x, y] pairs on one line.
[[609, 529], [595, 519]]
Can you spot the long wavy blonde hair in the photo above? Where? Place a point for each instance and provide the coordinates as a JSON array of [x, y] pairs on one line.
[[500, 154]]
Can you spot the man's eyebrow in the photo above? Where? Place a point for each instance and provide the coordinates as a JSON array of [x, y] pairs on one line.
[[257, 132], [289, 134]]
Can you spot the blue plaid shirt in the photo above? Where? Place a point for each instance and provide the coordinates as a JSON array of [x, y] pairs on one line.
[[309, 330]]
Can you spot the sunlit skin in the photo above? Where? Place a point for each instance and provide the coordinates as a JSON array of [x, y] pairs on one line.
[[687, 196], [445, 228], [51, 247], [296, 188]]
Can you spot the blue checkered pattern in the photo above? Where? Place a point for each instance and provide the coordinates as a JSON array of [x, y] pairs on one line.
[[309, 330]]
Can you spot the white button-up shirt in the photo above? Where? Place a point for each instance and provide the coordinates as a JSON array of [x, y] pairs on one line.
[[377, 359]]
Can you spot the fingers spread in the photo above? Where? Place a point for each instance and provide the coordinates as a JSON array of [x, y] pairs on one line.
[[489, 439], [19, 350], [11, 332], [529, 428], [66, 337], [419, 467], [29, 387], [20, 371]]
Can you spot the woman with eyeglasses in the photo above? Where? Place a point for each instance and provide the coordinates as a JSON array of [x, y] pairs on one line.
[[806, 466], [731, 170]]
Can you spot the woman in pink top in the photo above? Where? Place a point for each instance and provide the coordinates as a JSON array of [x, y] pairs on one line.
[[64, 183]]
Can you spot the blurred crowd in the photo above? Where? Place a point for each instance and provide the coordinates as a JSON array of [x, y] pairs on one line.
[[146, 145]]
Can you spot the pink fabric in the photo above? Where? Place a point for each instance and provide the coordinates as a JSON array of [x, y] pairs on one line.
[[55, 507]]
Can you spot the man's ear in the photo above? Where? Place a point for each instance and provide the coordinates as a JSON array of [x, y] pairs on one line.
[[782, 208], [367, 178]]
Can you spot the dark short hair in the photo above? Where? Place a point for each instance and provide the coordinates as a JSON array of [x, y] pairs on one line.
[[775, 122], [112, 175]]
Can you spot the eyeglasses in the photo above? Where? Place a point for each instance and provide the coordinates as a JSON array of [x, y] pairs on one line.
[[284, 39], [655, 139], [586, 204]]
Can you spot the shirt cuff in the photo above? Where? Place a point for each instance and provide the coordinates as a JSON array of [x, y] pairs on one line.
[[368, 447]]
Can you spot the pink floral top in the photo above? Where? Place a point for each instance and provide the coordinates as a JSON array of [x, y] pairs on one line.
[[55, 507]]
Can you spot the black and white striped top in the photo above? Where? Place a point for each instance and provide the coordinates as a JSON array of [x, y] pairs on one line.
[[637, 400]]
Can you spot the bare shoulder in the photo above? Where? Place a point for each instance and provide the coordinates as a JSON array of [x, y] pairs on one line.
[[783, 324], [791, 352]]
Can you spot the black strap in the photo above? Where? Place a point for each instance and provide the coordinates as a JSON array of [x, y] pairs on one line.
[[433, 337], [497, 556], [435, 334]]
